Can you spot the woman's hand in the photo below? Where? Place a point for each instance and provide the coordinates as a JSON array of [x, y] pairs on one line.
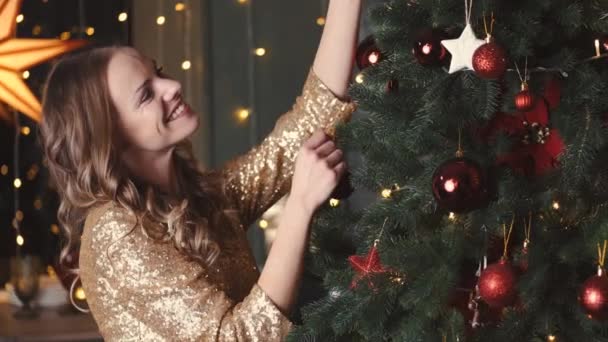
[[318, 168]]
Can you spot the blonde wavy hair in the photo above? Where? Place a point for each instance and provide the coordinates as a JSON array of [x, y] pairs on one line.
[[80, 146]]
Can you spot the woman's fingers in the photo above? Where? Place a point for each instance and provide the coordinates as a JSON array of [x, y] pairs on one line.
[[316, 139], [334, 158], [326, 149]]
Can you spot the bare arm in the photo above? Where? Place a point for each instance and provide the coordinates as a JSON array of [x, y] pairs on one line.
[[319, 164], [335, 56]]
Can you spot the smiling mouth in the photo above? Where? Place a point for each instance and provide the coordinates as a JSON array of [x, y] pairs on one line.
[[177, 112]]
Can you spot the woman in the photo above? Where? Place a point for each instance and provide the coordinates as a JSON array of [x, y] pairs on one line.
[[163, 251]]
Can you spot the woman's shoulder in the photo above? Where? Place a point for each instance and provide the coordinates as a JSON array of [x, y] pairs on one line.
[[107, 220]]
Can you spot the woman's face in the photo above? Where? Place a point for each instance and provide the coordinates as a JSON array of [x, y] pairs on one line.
[[152, 114]]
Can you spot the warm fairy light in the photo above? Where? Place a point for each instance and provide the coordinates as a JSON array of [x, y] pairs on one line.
[[65, 35], [334, 202], [263, 224], [243, 114], [386, 193], [25, 75], [32, 172], [242, 1], [260, 51], [597, 47], [36, 30], [321, 21], [160, 20], [17, 183], [25, 130], [551, 338], [90, 31], [38, 203], [20, 18], [359, 78], [20, 240], [4, 170], [186, 65], [555, 205], [79, 294], [122, 16], [51, 272], [55, 229], [452, 216], [19, 215], [180, 6]]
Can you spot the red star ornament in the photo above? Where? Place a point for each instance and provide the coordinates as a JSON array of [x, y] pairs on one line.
[[366, 266]]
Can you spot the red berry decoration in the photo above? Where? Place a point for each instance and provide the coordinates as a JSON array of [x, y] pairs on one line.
[[428, 49], [594, 296], [524, 100], [368, 53], [490, 61], [497, 284], [459, 185]]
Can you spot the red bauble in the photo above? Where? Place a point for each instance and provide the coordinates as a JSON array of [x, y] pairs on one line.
[[490, 61], [524, 100], [497, 284], [368, 53], [428, 49], [459, 185], [594, 296]]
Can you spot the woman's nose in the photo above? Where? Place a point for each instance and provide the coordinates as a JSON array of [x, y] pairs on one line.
[[171, 89]]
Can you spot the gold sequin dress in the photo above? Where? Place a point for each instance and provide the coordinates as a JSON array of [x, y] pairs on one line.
[[142, 290]]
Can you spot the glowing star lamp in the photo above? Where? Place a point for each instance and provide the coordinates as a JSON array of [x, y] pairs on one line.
[[18, 55]]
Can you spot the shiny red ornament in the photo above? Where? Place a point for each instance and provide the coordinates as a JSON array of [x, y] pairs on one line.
[[490, 61], [428, 49], [497, 284], [459, 185], [368, 53], [524, 100], [366, 266], [593, 296]]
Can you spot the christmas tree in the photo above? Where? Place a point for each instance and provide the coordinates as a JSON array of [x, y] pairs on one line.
[[484, 141]]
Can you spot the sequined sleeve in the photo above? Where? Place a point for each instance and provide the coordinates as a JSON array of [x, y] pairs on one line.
[[141, 290], [263, 175]]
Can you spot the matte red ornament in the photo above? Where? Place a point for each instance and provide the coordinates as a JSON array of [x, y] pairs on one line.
[[593, 296], [366, 266], [428, 49], [459, 185], [524, 100], [497, 284], [490, 61], [368, 53]]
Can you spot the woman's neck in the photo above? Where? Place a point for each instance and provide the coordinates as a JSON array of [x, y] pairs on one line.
[[152, 167]]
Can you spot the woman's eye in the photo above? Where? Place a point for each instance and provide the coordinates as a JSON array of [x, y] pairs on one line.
[[147, 94]]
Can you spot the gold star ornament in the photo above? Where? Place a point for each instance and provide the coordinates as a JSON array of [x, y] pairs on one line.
[[18, 55]]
